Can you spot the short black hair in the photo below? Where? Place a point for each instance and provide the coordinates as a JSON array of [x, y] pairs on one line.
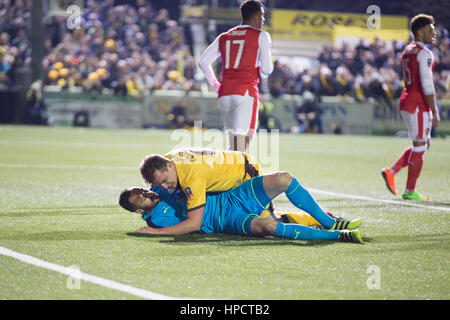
[[249, 8], [124, 199], [150, 164], [419, 21]]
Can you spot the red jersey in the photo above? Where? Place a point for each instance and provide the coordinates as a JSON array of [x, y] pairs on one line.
[[417, 64], [239, 49], [245, 53]]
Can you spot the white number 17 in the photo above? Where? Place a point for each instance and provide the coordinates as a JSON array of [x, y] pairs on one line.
[[238, 56]]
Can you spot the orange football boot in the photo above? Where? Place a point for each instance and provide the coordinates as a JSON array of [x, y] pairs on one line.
[[389, 178]]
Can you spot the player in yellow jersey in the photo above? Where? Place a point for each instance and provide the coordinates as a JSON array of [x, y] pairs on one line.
[[198, 171], [254, 198]]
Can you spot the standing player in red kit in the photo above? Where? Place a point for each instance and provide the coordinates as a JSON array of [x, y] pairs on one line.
[[417, 105], [245, 52]]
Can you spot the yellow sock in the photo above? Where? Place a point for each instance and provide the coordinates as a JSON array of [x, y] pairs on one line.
[[302, 218], [265, 213]]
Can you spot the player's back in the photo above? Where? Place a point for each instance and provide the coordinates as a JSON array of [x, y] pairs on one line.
[[239, 48], [413, 95], [203, 170], [221, 169]]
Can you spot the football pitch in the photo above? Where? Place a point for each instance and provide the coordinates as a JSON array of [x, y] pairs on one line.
[[59, 190]]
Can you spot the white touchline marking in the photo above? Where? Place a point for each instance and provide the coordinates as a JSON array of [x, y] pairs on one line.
[[126, 168], [86, 277], [343, 195]]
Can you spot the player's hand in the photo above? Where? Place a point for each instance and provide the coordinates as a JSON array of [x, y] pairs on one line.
[[216, 86], [147, 230], [435, 121]]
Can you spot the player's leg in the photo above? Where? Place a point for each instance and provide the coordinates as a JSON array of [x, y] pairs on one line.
[[420, 145], [244, 116], [224, 106], [261, 227], [276, 183], [388, 174], [238, 142], [299, 217]]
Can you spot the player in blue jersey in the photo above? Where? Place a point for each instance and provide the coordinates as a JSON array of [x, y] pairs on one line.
[[236, 211]]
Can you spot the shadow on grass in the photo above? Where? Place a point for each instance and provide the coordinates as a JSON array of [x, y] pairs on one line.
[[410, 242], [229, 240], [58, 211], [194, 238]]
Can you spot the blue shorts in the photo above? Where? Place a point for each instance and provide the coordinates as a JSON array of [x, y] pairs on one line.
[[241, 205]]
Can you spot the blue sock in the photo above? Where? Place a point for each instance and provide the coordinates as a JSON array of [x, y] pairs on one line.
[[299, 232], [301, 198]]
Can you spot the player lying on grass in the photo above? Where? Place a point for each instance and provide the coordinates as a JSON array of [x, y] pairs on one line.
[[236, 212], [197, 171]]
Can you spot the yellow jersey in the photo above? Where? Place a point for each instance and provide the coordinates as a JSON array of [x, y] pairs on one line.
[[204, 170]]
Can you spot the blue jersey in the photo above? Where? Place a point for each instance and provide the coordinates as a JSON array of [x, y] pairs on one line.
[[225, 212], [172, 209]]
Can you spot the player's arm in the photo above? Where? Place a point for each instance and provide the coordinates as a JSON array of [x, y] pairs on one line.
[[206, 59], [193, 223], [431, 100], [195, 189], [145, 230], [425, 60], [265, 45]]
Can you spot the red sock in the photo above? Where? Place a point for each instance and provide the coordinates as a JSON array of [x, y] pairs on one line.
[[414, 168], [402, 161]]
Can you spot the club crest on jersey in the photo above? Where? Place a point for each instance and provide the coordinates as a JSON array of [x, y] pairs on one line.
[[188, 192], [429, 61]]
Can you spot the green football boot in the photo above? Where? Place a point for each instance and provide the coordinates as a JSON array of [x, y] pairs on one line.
[[342, 224], [350, 236], [414, 196]]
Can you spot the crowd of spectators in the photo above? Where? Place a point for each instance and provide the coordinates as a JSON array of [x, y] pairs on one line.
[[15, 46], [123, 49], [368, 69]]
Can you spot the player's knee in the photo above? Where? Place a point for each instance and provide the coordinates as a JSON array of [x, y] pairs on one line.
[[418, 143], [269, 227], [284, 179], [263, 227]]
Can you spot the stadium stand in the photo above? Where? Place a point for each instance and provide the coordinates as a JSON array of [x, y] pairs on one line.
[[130, 50], [124, 49], [362, 71]]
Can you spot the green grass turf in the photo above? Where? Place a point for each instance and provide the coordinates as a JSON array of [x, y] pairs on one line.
[[58, 202]]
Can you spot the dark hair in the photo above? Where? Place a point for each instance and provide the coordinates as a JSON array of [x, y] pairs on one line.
[[419, 21], [249, 8], [124, 199], [151, 163]]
